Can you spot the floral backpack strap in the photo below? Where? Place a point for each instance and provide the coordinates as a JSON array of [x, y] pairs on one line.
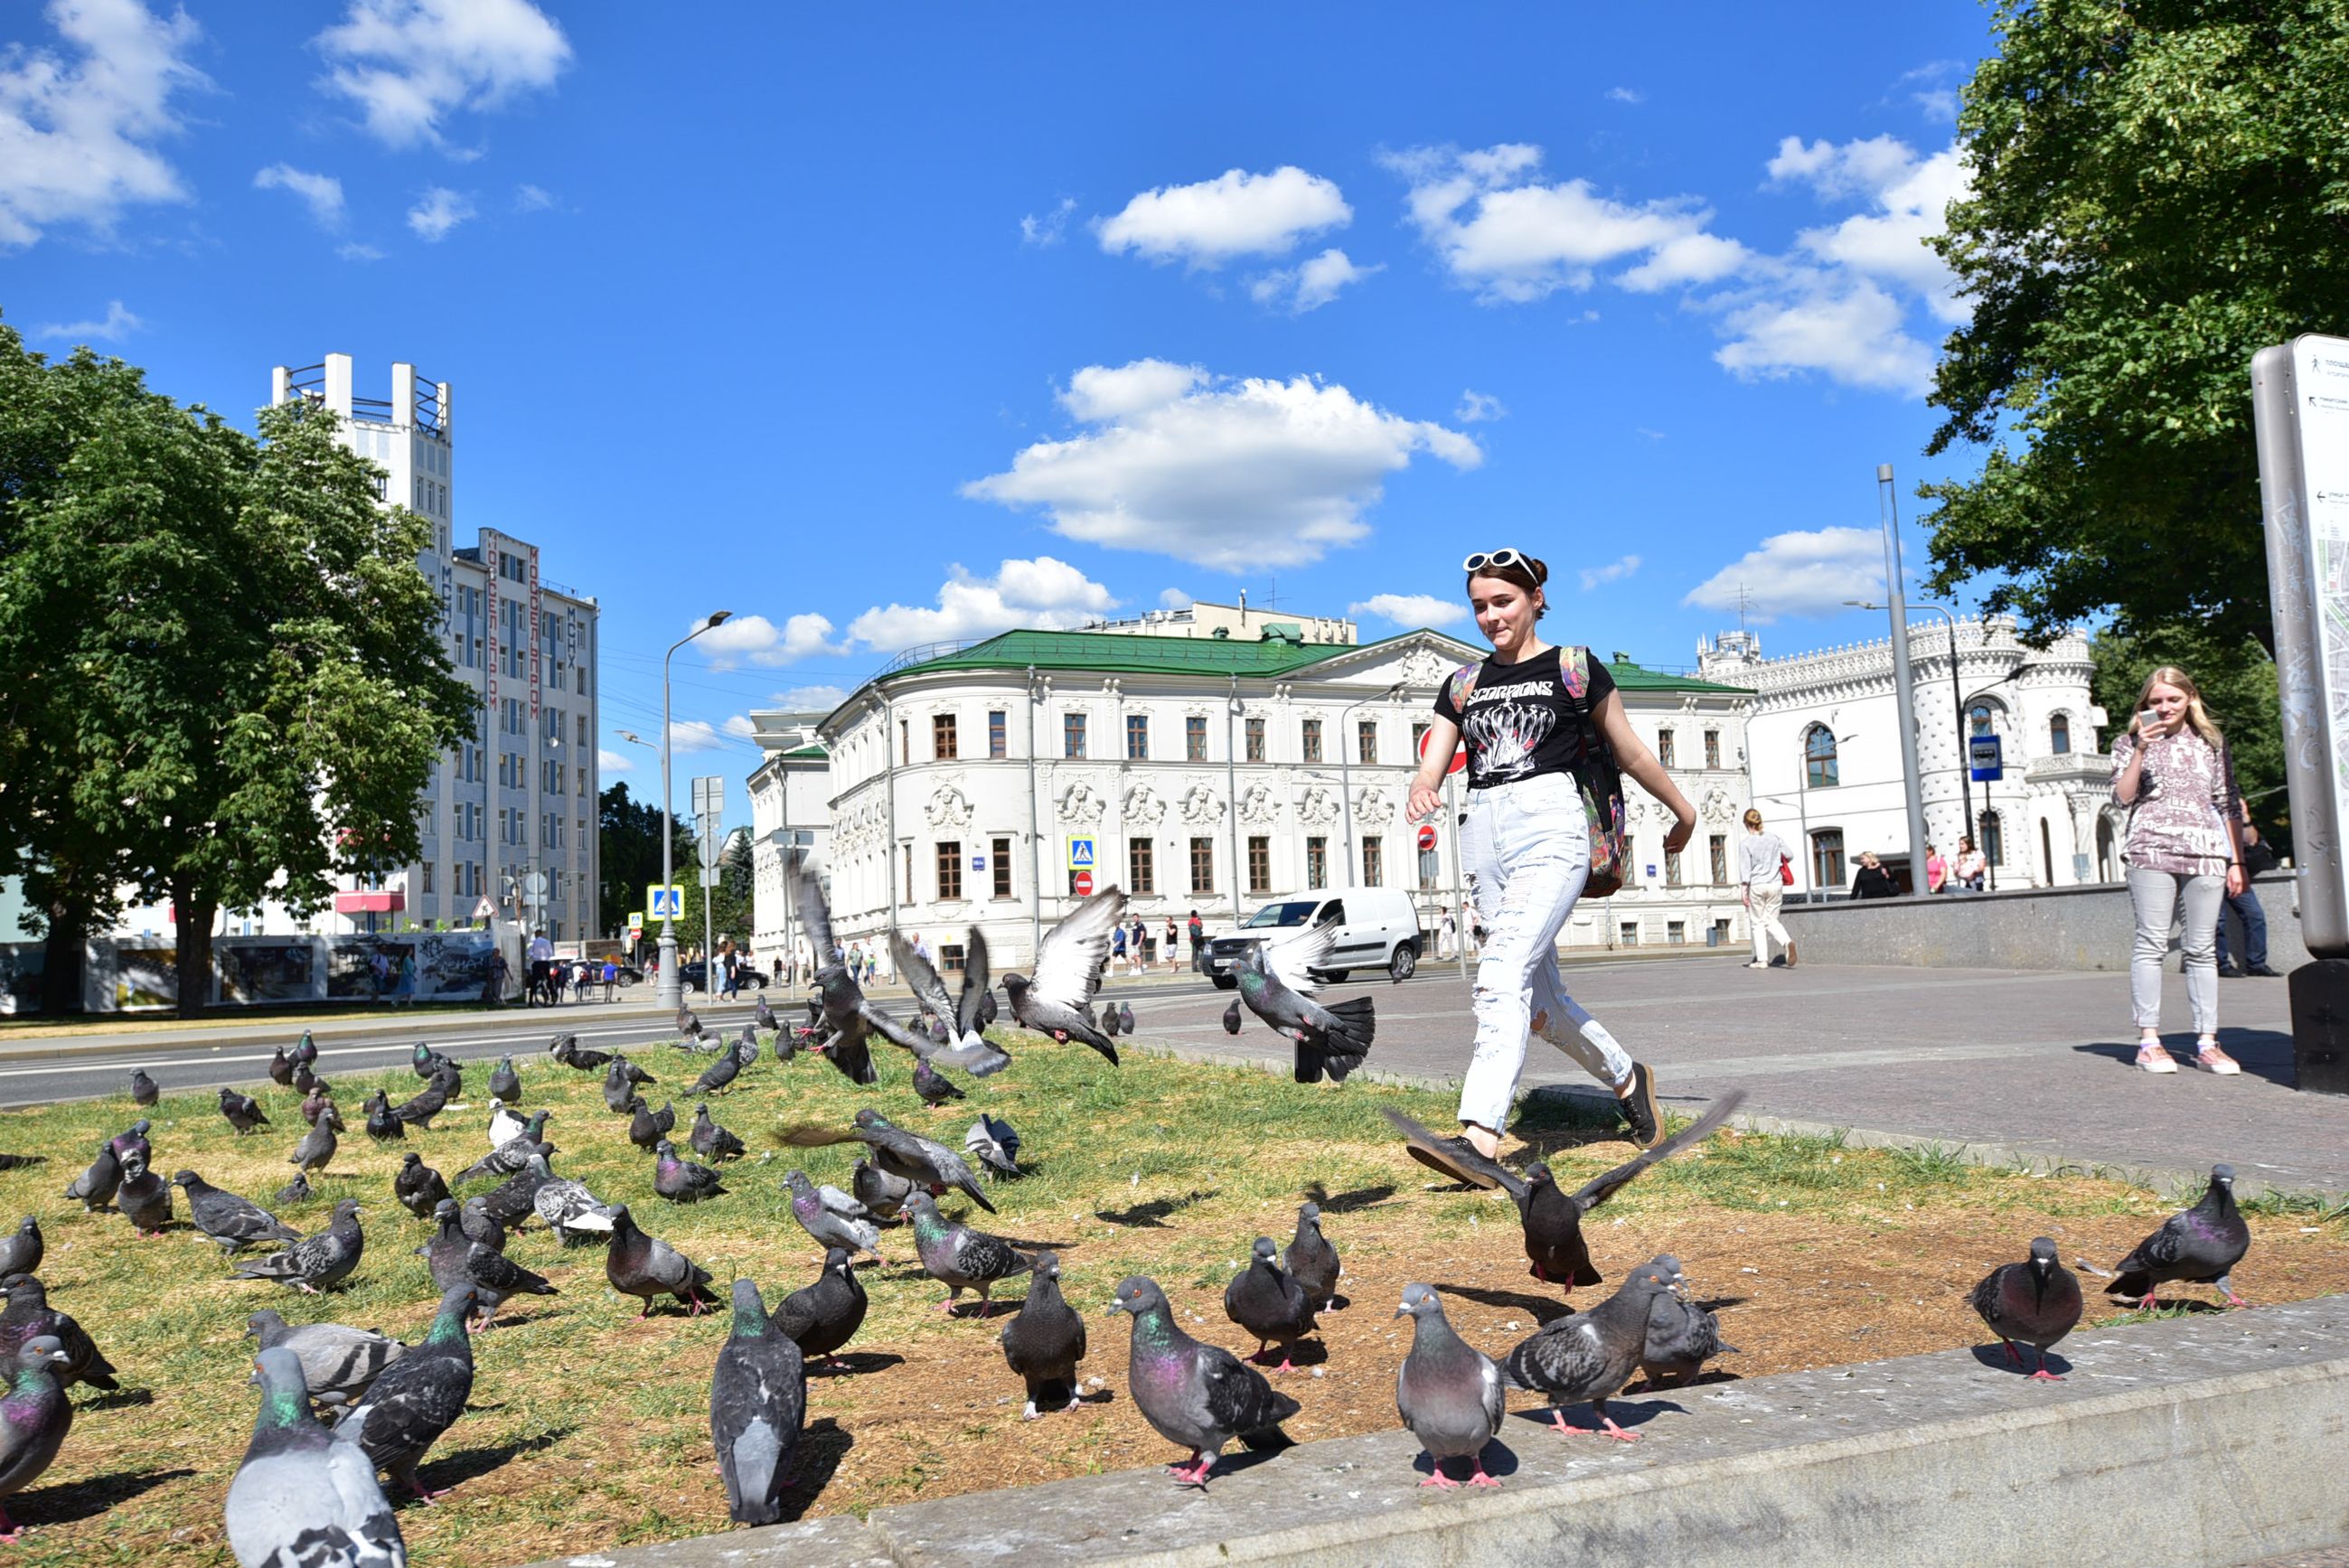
[[1574, 670]]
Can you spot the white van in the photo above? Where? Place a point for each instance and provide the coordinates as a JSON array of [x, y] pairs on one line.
[[1377, 929]]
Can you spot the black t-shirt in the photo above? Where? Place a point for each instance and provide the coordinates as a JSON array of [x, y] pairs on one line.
[[1521, 720]]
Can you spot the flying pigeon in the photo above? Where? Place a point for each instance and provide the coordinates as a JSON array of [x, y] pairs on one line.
[[242, 1112], [821, 1317], [647, 1127], [22, 1252], [717, 1074], [906, 1155], [1311, 1261], [645, 1266], [959, 1257], [711, 1140], [505, 1125], [95, 1186], [296, 1191], [33, 1422], [831, 1227], [1276, 983], [848, 1020], [460, 1263], [29, 1316], [317, 1261], [508, 1158], [1682, 1335], [316, 1147], [1044, 1341], [335, 1360], [682, 1180], [510, 1202], [504, 1082], [1266, 1301], [1448, 1392], [961, 1042], [1591, 1355], [1056, 999], [1232, 1017], [934, 1087], [997, 1147], [1197, 1396], [281, 1069], [143, 1091], [575, 1215], [144, 1198], [382, 1124], [882, 1194], [300, 1496], [758, 1401], [2201, 1246], [235, 1222], [415, 1399], [2036, 1302]]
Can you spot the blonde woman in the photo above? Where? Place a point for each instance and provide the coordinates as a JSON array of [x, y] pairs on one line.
[[2184, 855], [1766, 889]]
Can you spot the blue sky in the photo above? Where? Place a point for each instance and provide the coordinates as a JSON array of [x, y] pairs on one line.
[[882, 326]]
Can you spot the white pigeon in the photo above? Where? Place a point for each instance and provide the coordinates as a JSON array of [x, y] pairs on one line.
[[505, 1125]]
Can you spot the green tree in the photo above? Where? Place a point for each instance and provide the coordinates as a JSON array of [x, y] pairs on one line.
[[2159, 188], [2238, 681]]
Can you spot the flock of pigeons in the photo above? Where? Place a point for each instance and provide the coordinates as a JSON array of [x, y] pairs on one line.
[[340, 1404]]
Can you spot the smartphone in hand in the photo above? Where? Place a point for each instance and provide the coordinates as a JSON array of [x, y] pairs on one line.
[[2148, 723]]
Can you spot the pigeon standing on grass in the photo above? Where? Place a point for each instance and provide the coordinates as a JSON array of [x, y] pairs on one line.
[[717, 1074], [1044, 1342], [934, 1087], [1682, 1335], [29, 1316], [959, 1257], [473, 1218], [2200, 1246], [645, 1266], [1448, 1392], [1199, 1396], [504, 1082], [458, 1261], [281, 1069], [241, 1111], [621, 1078], [94, 1187], [415, 1399], [1591, 1355], [382, 1124], [510, 1202], [143, 1089], [1266, 1301], [1056, 999], [692, 1034], [905, 1155], [336, 1360], [300, 1498], [144, 1198], [1277, 985], [758, 1402], [505, 1125], [682, 1180], [2036, 1302], [22, 1252], [316, 1147], [575, 1215], [825, 1315], [567, 1050], [882, 1194], [233, 1222], [34, 1420], [1311, 1261], [427, 1103], [831, 1226], [763, 1016], [711, 1140], [319, 1102], [647, 1127], [997, 1147], [298, 1191], [134, 1138], [317, 1261], [511, 1155]]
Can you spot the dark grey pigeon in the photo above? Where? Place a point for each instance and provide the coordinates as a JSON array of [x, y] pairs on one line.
[[144, 1198], [576, 1216], [645, 1266], [382, 1124], [745, 1046], [2036, 1302], [504, 1082], [903, 1154], [34, 1420], [22, 1252], [305, 1078], [281, 1069], [1108, 1025], [1448, 1392], [711, 1140], [336, 1360], [94, 1187], [319, 1102], [1266, 1300], [763, 1016], [133, 1139], [692, 1035], [473, 1219], [300, 1496], [1126, 1017], [992, 1142], [143, 1089], [457, 1261], [1277, 985], [29, 1316], [513, 1154], [316, 1149], [1310, 1260], [298, 1191], [758, 1402], [428, 1103], [1056, 1000], [933, 1086], [1591, 1355], [831, 1226], [1232, 1017], [882, 1194], [317, 1261], [959, 1039], [1197, 1396], [424, 1061], [511, 1201], [846, 1021], [566, 1049], [821, 1317], [242, 1112], [619, 1089], [647, 1127], [1682, 1335], [2201, 1246], [959, 1257], [306, 1050], [1044, 1341], [417, 1397], [235, 1222], [419, 1187], [717, 1074], [682, 1180]]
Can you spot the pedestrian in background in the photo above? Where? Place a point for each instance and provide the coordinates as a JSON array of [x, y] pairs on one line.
[[1117, 949], [1174, 945], [1198, 937], [2184, 857], [1972, 867], [1446, 935], [611, 978], [1763, 862], [2257, 859], [1937, 870], [1872, 881]]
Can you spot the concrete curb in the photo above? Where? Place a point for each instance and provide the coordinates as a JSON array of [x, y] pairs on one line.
[[2215, 1438]]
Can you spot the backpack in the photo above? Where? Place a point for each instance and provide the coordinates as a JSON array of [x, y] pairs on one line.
[[1598, 780]]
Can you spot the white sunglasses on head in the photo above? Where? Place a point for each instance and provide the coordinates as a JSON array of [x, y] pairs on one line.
[[1483, 559]]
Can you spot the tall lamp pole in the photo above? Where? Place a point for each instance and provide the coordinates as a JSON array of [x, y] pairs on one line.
[[1905, 695], [1958, 705], [668, 993], [1345, 777]]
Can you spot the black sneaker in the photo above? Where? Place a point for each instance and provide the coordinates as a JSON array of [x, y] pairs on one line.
[[1454, 1157], [2229, 971], [1640, 1107], [2263, 971]]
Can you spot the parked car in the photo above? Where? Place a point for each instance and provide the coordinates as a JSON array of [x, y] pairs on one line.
[[694, 976], [1377, 928]]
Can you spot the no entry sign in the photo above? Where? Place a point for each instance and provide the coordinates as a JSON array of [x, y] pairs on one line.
[[1459, 757]]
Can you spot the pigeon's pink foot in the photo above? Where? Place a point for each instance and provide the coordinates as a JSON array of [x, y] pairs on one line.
[[1615, 1432], [2234, 1300], [2013, 1354], [2045, 1376], [1441, 1481], [948, 1306], [1558, 1422], [1284, 1370], [1480, 1478], [1195, 1474]]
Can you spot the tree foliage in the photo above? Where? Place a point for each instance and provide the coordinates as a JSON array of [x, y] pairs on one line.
[[629, 850], [2160, 188]]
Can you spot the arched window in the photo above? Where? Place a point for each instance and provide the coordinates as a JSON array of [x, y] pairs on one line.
[[1819, 757], [1993, 840], [1981, 715], [2059, 735]]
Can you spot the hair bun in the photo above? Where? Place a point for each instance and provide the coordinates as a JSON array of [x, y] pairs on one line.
[[1540, 568]]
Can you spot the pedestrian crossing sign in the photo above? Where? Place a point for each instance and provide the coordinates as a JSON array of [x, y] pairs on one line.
[[665, 903], [1081, 854]]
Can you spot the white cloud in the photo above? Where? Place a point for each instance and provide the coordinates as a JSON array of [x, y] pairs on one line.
[[118, 325], [1041, 593], [356, 252], [1615, 572], [533, 198], [1627, 95], [437, 212], [1805, 573], [1687, 259], [1235, 214], [740, 727], [756, 640], [323, 194], [613, 761], [810, 698], [1175, 598], [1230, 473], [1850, 329], [410, 64], [1475, 408], [77, 125], [694, 735], [1911, 199], [1048, 229], [1410, 609], [1311, 285]]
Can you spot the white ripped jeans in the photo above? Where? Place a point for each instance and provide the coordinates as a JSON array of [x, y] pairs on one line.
[[1526, 850]]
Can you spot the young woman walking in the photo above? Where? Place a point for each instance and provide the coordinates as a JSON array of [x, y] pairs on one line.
[[1533, 717], [1766, 889], [2184, 855]]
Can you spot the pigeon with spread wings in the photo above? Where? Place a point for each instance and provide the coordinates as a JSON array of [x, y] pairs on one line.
[[967, 1047], [848, 1020], [1276, 983], [1056, 1000], [907, 1156]]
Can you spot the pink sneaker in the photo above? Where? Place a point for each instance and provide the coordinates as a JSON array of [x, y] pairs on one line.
[[2211, 1059], [2156, 1058]]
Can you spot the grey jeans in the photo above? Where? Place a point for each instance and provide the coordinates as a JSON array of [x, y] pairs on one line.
[[2160, 898]]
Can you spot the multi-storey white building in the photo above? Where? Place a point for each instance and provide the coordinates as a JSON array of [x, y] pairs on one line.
[[790, 813], [1825, 752]]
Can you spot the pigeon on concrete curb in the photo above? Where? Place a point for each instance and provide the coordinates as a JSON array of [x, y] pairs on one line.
[[2036, 1302], [34, 1420], [1682, 1336], [822, 1317], [645, 1266], [883, 1195], [144, 1198], [905, 1155], [241, 1111], [22, 1252], [233, 1222], [94, 1187], [758, 1403], [1311, 1260], [415, 1399], [965, 1047], [336, 1360], [1109, 1018], [419, 1187], [1591, 1355], [830, 1226], [711, 1140], [300, 1496], [504, 1082], [1126, 1017], [2200, 1246], [1276, 983], [505, 1125], [458, 1260], [316, 1149], [318, 1260], [763, 1016], [143, 1089], [995, 1145], [959, 1257], [1448, 1392], [683, 1181], [1044, 1342], [1056, 1000], [1197, 1396], [1232, 1017], [1266, 1301], [382, 1124], [29, 1315]]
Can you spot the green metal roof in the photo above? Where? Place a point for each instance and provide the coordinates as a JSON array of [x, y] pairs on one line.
[[1635, 677], [816, 753]]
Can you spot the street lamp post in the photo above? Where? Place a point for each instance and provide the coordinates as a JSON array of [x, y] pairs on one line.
[[1346, 775], [668, 993], [1958, 715], [1905, 699], [632, 738]]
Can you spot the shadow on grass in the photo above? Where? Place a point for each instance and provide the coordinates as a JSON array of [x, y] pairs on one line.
[[119, 1400], [1541, 1309], [855, 1364], [87, 1499], [1351, 1202], [1153, 1215], [471, 1464], [822, 1445]]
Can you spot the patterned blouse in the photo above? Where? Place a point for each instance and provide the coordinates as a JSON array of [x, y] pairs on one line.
[[2178, 821]]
